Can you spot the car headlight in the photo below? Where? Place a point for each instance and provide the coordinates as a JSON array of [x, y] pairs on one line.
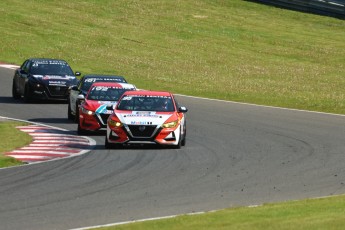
[[35, 83], [171, 124], [114, 123], [88, 112]]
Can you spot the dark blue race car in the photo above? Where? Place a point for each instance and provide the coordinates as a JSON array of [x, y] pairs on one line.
[[43, 79]]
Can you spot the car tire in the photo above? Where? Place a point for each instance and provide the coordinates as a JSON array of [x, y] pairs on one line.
[[179, 143], [27, 94], [81, 131], [76, 117], [183, 142], [69, 113], [111, 145], [107, 144], [15, 93]]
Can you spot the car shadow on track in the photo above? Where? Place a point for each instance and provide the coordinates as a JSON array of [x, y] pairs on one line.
[[102, 133], [7, 100], [136, 147], [11, 100]]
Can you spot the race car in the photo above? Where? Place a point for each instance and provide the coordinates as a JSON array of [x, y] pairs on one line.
[[43, 78], [83, 87], [93, 112], [147, 117]]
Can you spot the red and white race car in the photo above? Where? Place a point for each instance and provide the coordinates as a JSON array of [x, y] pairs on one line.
[[147, 117], [93, 112]]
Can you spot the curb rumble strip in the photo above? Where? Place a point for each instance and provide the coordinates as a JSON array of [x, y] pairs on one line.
[[49, 143], [8, 66]]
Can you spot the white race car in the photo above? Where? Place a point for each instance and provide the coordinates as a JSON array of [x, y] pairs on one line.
[[147, 117]]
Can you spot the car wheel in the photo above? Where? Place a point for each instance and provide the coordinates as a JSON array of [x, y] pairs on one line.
[[183, 143], [111, 145], [27, 94], [69, 113], [81, 131], [107, 144], [179, 143], [76, 117], [15, 93]]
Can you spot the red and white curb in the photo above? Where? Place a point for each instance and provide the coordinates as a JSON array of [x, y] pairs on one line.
[[8, 66], [50, 143]]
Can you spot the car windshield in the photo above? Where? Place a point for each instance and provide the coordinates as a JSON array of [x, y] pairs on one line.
[[106, 93], [90, 80], [51, 68], [146, 103]]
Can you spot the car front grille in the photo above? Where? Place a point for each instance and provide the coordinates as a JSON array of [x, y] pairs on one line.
[[142, 130], [58, 90], [103, 118]]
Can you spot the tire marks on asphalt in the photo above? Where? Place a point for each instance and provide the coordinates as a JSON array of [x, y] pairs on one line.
[[49, 144]]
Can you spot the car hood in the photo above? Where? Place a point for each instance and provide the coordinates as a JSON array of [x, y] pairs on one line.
[[99, 107], [56, 80], [143, 117]]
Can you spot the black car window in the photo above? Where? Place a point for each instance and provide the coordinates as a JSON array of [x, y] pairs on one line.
[[50, 68], [147, 103], [104, 93], [87, 82], [25, 66]]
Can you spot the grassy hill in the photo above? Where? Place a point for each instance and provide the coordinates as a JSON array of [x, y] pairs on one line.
[[232, 50]]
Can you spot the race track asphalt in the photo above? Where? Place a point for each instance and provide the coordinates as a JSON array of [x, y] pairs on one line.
[[236, 155]]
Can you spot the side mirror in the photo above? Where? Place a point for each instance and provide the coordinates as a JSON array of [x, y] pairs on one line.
[[182, 109], [109, 107], [77, 74], [22, 71], [81, 97], [74, 87]]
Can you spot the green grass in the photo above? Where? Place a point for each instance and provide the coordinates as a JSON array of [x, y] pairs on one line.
[[232, 50], [311, 214], [11, 138]]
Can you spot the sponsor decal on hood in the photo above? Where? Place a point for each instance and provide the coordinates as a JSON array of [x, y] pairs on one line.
[[57, 83], [143, 118], [55, 77], [55, 80]]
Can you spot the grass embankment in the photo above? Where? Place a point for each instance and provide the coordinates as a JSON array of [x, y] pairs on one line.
[[311, 214], [11, 138], [232, 50]]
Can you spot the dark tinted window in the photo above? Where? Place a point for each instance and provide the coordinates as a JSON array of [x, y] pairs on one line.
[[90, 80], [146, 103], [105, 93], [25, 66], [50, 68]]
